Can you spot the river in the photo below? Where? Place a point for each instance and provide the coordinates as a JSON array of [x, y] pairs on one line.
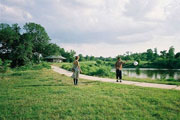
[[152, 73]]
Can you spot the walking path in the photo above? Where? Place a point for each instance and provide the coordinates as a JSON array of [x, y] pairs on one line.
[[163, 86]]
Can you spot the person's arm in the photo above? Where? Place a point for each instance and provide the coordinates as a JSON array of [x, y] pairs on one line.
[[125, 62], [73, 67]]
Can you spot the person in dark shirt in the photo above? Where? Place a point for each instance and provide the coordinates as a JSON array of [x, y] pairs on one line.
[[118, 67]]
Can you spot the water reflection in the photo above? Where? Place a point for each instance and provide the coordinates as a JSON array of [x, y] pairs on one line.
[[152, 73], [138, 72]]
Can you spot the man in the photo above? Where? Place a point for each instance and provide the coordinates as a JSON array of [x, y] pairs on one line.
[[118, 67]]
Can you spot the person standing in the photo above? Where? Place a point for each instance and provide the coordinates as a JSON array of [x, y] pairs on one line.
[[118, 67], [76, 70]]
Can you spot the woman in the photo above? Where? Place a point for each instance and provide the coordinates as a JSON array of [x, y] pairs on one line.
[[76, 70]]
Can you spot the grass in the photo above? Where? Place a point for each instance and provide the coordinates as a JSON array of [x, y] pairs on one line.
[[44, 94], [149, 80]]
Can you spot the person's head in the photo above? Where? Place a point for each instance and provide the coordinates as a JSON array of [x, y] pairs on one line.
[[77, 58], [119, 59]]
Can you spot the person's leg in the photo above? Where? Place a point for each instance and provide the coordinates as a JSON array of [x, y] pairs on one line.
[[74, 81], [120, 75], [117, 75]]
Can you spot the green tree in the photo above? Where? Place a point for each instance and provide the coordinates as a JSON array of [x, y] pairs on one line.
[[9, 38], [149, 54], [177, 55], [69, 55], [87, 58], [81, 58], [23, 51], [171, 52], [52, 49], [155, 54], [92, 58], [39, 36], [163, 54]]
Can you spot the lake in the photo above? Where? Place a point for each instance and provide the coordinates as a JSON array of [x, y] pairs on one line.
[[152, 73]]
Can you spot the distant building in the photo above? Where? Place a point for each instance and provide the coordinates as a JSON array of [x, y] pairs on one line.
[[54, 58]]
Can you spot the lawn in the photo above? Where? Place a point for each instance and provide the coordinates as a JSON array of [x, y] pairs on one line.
[[44, 94]]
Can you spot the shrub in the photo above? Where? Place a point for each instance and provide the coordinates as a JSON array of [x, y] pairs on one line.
[[4, 66], [34, 67], [46, 65], [67, 66], [99, 62]]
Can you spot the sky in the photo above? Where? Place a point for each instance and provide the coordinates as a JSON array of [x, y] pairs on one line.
[[101, 27]]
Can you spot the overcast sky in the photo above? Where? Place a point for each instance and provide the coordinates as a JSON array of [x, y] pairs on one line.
[[101, 27]]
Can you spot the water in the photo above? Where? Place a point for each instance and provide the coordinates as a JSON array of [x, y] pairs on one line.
[[151, 73]]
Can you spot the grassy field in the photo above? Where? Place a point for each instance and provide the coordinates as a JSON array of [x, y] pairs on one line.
[[90, 68], [44, 94]]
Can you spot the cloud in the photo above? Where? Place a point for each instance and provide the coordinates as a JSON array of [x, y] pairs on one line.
[[10, 14], [100, 22]]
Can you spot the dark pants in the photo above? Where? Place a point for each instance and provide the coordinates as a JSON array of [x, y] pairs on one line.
[[75, 81], [118, 74]]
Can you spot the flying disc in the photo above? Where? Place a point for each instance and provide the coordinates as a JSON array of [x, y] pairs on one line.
[[135, 63]]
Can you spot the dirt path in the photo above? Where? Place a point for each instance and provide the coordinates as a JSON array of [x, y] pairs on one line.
[[163, 86]]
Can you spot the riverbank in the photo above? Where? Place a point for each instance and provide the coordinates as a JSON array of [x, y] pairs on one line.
[[95, 69]]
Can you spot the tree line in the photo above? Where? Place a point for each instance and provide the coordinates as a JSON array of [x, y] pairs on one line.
[[163, 59], [23, 45], [150, 58]]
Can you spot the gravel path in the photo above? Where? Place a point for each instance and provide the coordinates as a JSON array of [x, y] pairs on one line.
[[142, 84]]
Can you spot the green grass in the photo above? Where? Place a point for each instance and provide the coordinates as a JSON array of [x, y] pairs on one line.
[[149, 80], [44, 94]]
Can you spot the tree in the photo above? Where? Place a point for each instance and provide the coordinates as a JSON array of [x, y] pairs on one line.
[[177, 55], [9, 37], [171, 52], [155, 54], [92, 58], [163, 54], [40, 38], [69, 55], [81, 58], [87, 58], [143, 56], [23, 51], [24, 48], [149, 54], [52, 49]]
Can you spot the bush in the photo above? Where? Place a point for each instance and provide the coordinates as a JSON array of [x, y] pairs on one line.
[[4, 66], [24, 68], [67, 67], [34, 67], [46, 65], [99, 62], [93, 69]]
